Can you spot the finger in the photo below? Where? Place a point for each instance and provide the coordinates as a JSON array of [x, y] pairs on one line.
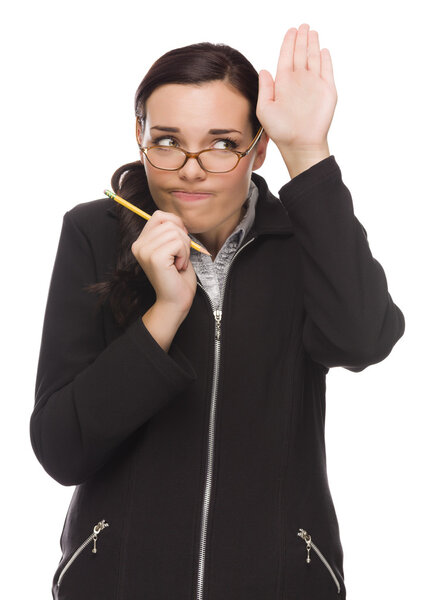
[[171, 252], [178, 250], [285, 59], [327, 67], [266, 88], [160, 216], [300, 57], [314, 54], [166, 236], [157, 230], [175, 229], [169, 225], [151, 247]]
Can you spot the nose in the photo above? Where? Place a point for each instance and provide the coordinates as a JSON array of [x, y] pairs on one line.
[[192, 168]]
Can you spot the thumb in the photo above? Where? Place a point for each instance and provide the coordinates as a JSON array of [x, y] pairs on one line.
[[266, 87]]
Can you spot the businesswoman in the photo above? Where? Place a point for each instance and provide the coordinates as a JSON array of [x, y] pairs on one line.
[[183, 393]]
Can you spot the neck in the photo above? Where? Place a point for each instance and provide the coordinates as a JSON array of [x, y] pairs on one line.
[[213, 241]]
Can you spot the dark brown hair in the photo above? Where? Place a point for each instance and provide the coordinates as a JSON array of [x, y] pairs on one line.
[[193, 64]]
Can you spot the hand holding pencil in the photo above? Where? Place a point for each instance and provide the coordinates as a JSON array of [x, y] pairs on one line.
[[146, 216], [163, 251]]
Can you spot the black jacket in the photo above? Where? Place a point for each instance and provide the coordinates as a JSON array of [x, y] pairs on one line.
[[201, 465]]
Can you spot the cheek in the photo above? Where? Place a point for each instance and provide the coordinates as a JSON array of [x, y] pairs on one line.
[[156, 181], [237, 182], [233, 181], [244, 166]]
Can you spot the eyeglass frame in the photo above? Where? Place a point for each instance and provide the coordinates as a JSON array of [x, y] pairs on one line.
[[188, 155]]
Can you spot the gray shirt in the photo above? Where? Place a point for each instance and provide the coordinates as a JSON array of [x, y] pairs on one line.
[[212, 273]]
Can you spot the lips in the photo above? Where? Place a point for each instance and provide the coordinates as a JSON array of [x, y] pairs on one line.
[[193, 191], [190, 196]]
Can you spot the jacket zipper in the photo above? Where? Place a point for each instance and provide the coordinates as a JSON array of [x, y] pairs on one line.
[[97, 528], [207, 489], [310, 544]]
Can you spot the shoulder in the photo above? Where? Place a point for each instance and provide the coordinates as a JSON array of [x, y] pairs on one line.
[[93, 215], [94, 224], [84, 211]]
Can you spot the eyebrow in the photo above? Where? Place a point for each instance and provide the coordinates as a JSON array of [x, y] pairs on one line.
[[211, 131]]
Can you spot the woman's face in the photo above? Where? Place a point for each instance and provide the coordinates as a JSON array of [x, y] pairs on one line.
[[194, 110]]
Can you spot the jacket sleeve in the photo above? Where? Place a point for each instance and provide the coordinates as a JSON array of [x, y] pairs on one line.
[[351, 320], [89, 397]]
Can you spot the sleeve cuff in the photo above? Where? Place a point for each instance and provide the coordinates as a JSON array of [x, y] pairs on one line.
[[174, 364], [309, 180]]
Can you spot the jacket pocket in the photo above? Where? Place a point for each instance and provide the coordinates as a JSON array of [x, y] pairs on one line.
[[98, 528], [311, 545]]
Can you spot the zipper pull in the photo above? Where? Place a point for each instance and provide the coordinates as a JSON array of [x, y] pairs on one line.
[[95, 543], [305, 536], [217, 316], [97, 528]]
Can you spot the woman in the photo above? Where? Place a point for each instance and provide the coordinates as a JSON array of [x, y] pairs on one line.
[[189, 411]]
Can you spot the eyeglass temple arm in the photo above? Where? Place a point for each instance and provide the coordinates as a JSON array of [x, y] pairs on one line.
[[254, 141]]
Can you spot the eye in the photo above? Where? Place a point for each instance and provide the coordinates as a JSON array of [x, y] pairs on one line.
[[230, 143], [225, 142], [160, 139]]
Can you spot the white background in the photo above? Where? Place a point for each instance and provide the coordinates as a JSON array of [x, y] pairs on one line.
[[69, 75]]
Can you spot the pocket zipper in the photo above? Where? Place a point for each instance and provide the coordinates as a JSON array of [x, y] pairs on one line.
[[97, 528], [310, 544]]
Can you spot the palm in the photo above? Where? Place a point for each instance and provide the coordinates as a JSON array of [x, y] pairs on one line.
[[297, 109]]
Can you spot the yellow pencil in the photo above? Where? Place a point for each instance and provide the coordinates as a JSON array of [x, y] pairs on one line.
[[146, 216]]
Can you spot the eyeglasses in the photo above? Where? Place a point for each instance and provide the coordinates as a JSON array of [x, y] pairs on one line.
[[212, 160]]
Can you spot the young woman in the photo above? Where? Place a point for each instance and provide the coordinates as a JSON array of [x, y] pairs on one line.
[[185, 397]]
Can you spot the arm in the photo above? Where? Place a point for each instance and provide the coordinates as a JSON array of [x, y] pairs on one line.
[[351, 320], [90, 398]]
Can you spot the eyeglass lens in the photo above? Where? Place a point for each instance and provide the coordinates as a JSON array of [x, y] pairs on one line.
[[217, 161]]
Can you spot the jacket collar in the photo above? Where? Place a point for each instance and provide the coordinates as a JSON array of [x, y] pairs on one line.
[[271, 216]]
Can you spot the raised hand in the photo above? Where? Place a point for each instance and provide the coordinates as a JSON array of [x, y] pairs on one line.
[[297, 108]]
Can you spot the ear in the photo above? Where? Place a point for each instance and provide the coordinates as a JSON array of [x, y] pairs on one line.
[[261, 151]]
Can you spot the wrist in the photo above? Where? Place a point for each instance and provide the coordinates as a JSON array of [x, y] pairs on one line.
[[299, 159], [169, 311], [162, 322]]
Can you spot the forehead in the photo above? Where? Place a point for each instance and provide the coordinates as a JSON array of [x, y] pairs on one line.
[[208, 105]]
